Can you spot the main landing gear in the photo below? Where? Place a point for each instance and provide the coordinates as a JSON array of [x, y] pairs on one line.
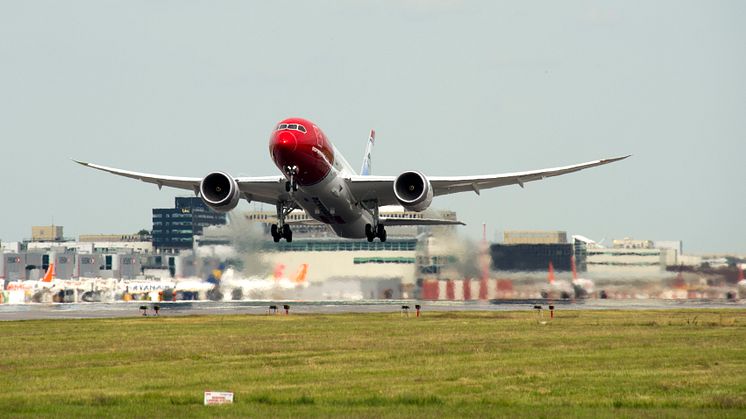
[[373, 232], [282, 230], [376, 229]]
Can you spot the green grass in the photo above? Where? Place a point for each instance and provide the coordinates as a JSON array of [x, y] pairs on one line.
[[449, 364]]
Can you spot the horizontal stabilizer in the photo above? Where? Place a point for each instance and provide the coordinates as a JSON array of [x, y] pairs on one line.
[[418, 222]]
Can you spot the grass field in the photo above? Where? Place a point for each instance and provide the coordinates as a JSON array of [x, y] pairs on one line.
[[583, 363]]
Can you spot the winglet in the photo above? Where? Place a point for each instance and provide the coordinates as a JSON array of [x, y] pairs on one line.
[[365, 170]]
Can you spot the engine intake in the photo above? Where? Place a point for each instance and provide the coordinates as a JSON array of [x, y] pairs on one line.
[[413, 190], [219, 191]]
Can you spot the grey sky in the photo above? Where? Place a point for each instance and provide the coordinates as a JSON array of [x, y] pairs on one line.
[[452, 87]]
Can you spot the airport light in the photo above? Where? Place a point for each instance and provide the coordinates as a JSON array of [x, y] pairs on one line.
[[272, 309], [155, 309], [417, 307], [405, 310], [551, 312], [144, 310], [287, 309]]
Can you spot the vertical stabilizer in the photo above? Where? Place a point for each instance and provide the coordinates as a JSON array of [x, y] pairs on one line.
[[49, 276], [574, 269], [365, 170], [301, 276], [551, 273]]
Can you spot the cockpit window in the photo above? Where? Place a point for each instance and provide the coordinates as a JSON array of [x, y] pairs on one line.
[[297, 127]]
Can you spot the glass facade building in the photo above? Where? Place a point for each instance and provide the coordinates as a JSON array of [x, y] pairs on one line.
[[174, 228], [531, 257]]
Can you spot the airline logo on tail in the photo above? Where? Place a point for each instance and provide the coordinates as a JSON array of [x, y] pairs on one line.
[[551, 273], [300, 277], [49, 276], [365, 170]]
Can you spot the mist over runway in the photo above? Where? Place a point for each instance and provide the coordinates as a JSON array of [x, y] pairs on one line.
[[199, 308]]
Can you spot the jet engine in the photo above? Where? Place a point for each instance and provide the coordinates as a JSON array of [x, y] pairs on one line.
[[219, 191], [413, 190]]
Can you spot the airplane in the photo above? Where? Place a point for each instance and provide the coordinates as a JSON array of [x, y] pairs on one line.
[[583, 287], [45, 282], [556, 289], [318, 179], [258, 286]]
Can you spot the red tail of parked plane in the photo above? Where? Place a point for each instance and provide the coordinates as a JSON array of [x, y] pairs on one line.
[[300, 277], [49, 276]]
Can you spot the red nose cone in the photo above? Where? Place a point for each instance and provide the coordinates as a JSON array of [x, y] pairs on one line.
[[286, 141]]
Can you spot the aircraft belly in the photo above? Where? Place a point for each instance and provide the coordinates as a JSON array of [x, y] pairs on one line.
[[330, 202]]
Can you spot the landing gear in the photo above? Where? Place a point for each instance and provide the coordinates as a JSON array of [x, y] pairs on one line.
[[371, 232], [291, 184], [376, 229], [282, 230]]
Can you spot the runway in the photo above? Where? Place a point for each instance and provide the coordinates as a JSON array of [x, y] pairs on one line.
[[191, 308]]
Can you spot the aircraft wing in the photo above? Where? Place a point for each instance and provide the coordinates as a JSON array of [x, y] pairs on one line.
[[266, 189], [382, 187]]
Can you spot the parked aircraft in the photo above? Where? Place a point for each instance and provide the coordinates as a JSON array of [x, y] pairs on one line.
[[260, 287], [556, 289], [318, 179]]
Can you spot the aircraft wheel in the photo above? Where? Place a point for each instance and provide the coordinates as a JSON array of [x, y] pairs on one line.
[[287, 186], [275, 234], [369, 232], [287, 233], [381, 233]]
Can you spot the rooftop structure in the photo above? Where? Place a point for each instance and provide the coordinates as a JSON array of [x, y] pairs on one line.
[[46, 233], [534, 237]]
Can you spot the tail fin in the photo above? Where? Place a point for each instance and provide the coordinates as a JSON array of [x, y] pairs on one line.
[[574, 269], [49, 276], [279, 271], [551, 273], [365, 170], [300, 277]]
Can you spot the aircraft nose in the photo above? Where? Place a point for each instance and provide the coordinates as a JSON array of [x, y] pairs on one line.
[[286, 141]]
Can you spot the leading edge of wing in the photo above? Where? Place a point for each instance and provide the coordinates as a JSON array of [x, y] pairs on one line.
[[189, 183], [450, 184], [553, 171], [263, 188], [382, 187]]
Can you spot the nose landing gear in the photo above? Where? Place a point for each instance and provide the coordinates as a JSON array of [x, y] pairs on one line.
[[291, 184]]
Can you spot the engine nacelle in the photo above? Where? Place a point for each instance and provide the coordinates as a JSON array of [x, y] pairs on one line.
[[219, 191], [413, 190]]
